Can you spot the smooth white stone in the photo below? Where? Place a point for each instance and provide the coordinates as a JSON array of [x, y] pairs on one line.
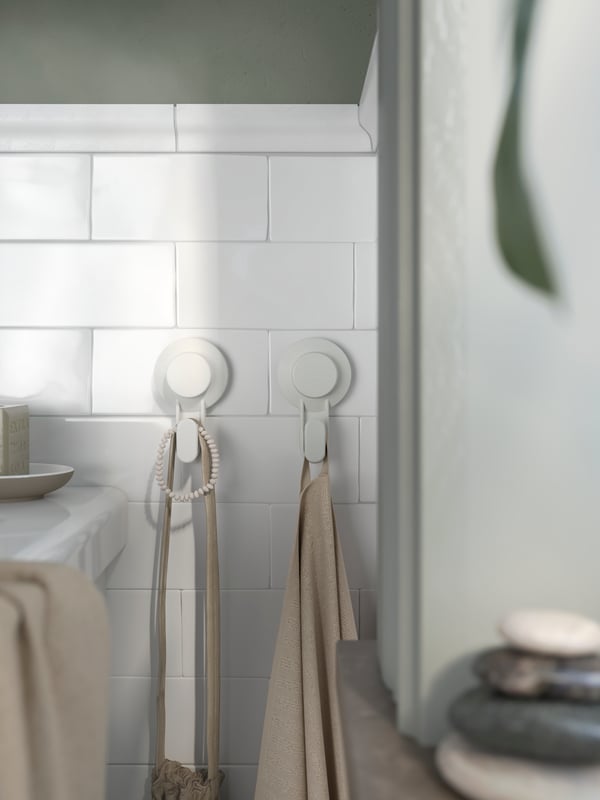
[[558, 633], [479, 775]]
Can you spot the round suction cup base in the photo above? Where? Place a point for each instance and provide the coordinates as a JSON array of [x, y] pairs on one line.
[[188, 371], [314, 370]]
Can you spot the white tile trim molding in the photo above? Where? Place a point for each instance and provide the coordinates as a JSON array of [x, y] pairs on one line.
[[270, 129], [68, 128], [184, 128], [368, 106]]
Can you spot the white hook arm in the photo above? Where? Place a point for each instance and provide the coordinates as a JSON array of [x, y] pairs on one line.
[[313, 430], [188, 448]]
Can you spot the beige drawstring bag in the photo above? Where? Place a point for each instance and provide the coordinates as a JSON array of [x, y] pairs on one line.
[[170, 779], [302, 753]]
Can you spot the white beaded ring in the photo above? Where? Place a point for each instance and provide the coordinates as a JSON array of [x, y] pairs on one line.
[[208, 487]]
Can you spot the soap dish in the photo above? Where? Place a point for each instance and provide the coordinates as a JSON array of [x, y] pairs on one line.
[[42, 479]]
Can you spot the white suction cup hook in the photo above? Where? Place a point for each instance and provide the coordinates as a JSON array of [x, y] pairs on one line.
[[314, 374], [190, 376]]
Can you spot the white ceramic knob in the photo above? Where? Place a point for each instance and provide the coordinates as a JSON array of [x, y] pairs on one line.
[[314, 375], [189, 375]]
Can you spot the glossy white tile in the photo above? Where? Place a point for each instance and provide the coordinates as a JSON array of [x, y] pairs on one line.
[[243, 547], [368, 614], [132, 723], [44, 197], [180, 197], [87, 285], [239, 783], [243, 703], [265, 285], [49, 370], [260, 461], [361, 349], [128, 781], [242, 713], [86, 128], [323, 199], [356, 525], [124, 363], [131, 720], [365, 303], [249, 624], [133, 638], [368, 460]]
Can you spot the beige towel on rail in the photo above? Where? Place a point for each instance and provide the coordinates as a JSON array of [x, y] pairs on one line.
[[53, 684], [302, 753]]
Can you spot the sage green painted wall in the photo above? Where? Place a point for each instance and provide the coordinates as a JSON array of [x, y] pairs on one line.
[[194, 51]]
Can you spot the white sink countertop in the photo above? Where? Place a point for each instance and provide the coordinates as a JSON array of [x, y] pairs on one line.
[[85, 527]]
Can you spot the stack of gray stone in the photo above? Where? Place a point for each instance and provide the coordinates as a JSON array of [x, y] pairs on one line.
[[531, 730]]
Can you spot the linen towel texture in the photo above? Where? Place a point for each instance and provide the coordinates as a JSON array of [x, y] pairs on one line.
[[302, 752], [54, 666]]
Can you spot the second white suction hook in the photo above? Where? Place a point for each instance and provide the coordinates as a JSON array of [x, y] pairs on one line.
[[314, 374]]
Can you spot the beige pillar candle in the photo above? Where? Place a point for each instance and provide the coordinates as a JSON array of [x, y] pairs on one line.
[[14, 440]]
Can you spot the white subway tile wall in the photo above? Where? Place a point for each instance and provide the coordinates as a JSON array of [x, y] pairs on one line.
[[44, 197], [185, 197], [117, 249]]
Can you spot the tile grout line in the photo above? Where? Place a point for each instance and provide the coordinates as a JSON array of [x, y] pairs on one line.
[[269, 379], [168, 151], [175, 131], [271, 587], [176, 286], [269, 210], [90, 200], [92, 346], [181, 631], [354, 292], [358, 457]]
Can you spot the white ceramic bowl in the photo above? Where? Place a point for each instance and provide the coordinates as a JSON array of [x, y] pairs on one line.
[[42, 478]]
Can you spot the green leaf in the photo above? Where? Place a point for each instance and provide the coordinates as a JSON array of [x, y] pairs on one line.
[[516, 225]]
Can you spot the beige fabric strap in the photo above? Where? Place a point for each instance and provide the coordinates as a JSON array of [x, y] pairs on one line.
[[213, 640]]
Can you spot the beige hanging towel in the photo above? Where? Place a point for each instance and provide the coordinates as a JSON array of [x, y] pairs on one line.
[[302, 753], [53, 683]]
